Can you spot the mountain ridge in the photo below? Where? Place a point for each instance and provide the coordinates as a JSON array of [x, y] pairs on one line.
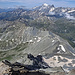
[[44, 30]]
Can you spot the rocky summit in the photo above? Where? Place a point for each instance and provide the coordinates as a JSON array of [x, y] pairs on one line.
[[39, 67]]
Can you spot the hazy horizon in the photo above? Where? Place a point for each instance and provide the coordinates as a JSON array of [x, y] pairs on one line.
[[33, 3]]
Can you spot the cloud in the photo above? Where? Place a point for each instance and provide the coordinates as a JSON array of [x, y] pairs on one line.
[[12, 0], [32, 3], [35, 0]]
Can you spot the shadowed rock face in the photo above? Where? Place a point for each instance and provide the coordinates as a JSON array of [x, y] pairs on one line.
[[72, 72], [29, 73], [37, 73], [39, 67]]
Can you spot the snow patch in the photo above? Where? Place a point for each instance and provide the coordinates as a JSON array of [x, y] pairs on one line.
[[35, 38], [52, 9], [35, 7], [45, 4], [63, 10], [13, 25], [53, 40], [69, 17], [0, 39], [39, 39], [30, 40], [62, 47], [24, 42], [58, 48], [71, 11], [51, 13], [12, 40], [6, 40]]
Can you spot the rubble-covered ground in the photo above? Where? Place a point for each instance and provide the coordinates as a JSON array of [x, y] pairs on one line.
[[37, 68]]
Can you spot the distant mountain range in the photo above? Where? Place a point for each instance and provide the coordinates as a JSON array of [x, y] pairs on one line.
[[6, 10], [50, 10]]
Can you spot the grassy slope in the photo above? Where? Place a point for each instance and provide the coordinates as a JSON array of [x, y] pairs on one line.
[[12, 53]]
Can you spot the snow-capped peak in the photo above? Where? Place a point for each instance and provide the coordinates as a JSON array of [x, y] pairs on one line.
[[45, 4]]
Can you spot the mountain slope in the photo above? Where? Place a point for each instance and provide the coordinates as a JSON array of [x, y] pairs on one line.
[[38, 32]]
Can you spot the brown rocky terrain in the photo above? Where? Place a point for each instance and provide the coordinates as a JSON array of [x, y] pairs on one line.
[[3, 68], [40, 68], [72, 72]]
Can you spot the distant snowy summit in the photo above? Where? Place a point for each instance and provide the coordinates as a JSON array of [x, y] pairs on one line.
[[51, 10], [45, 4]]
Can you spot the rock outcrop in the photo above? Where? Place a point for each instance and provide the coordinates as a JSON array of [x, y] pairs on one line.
[[72, 72], [39, 67], [4, 68]]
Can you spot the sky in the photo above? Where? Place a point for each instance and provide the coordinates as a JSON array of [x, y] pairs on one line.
[[33, 3]]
